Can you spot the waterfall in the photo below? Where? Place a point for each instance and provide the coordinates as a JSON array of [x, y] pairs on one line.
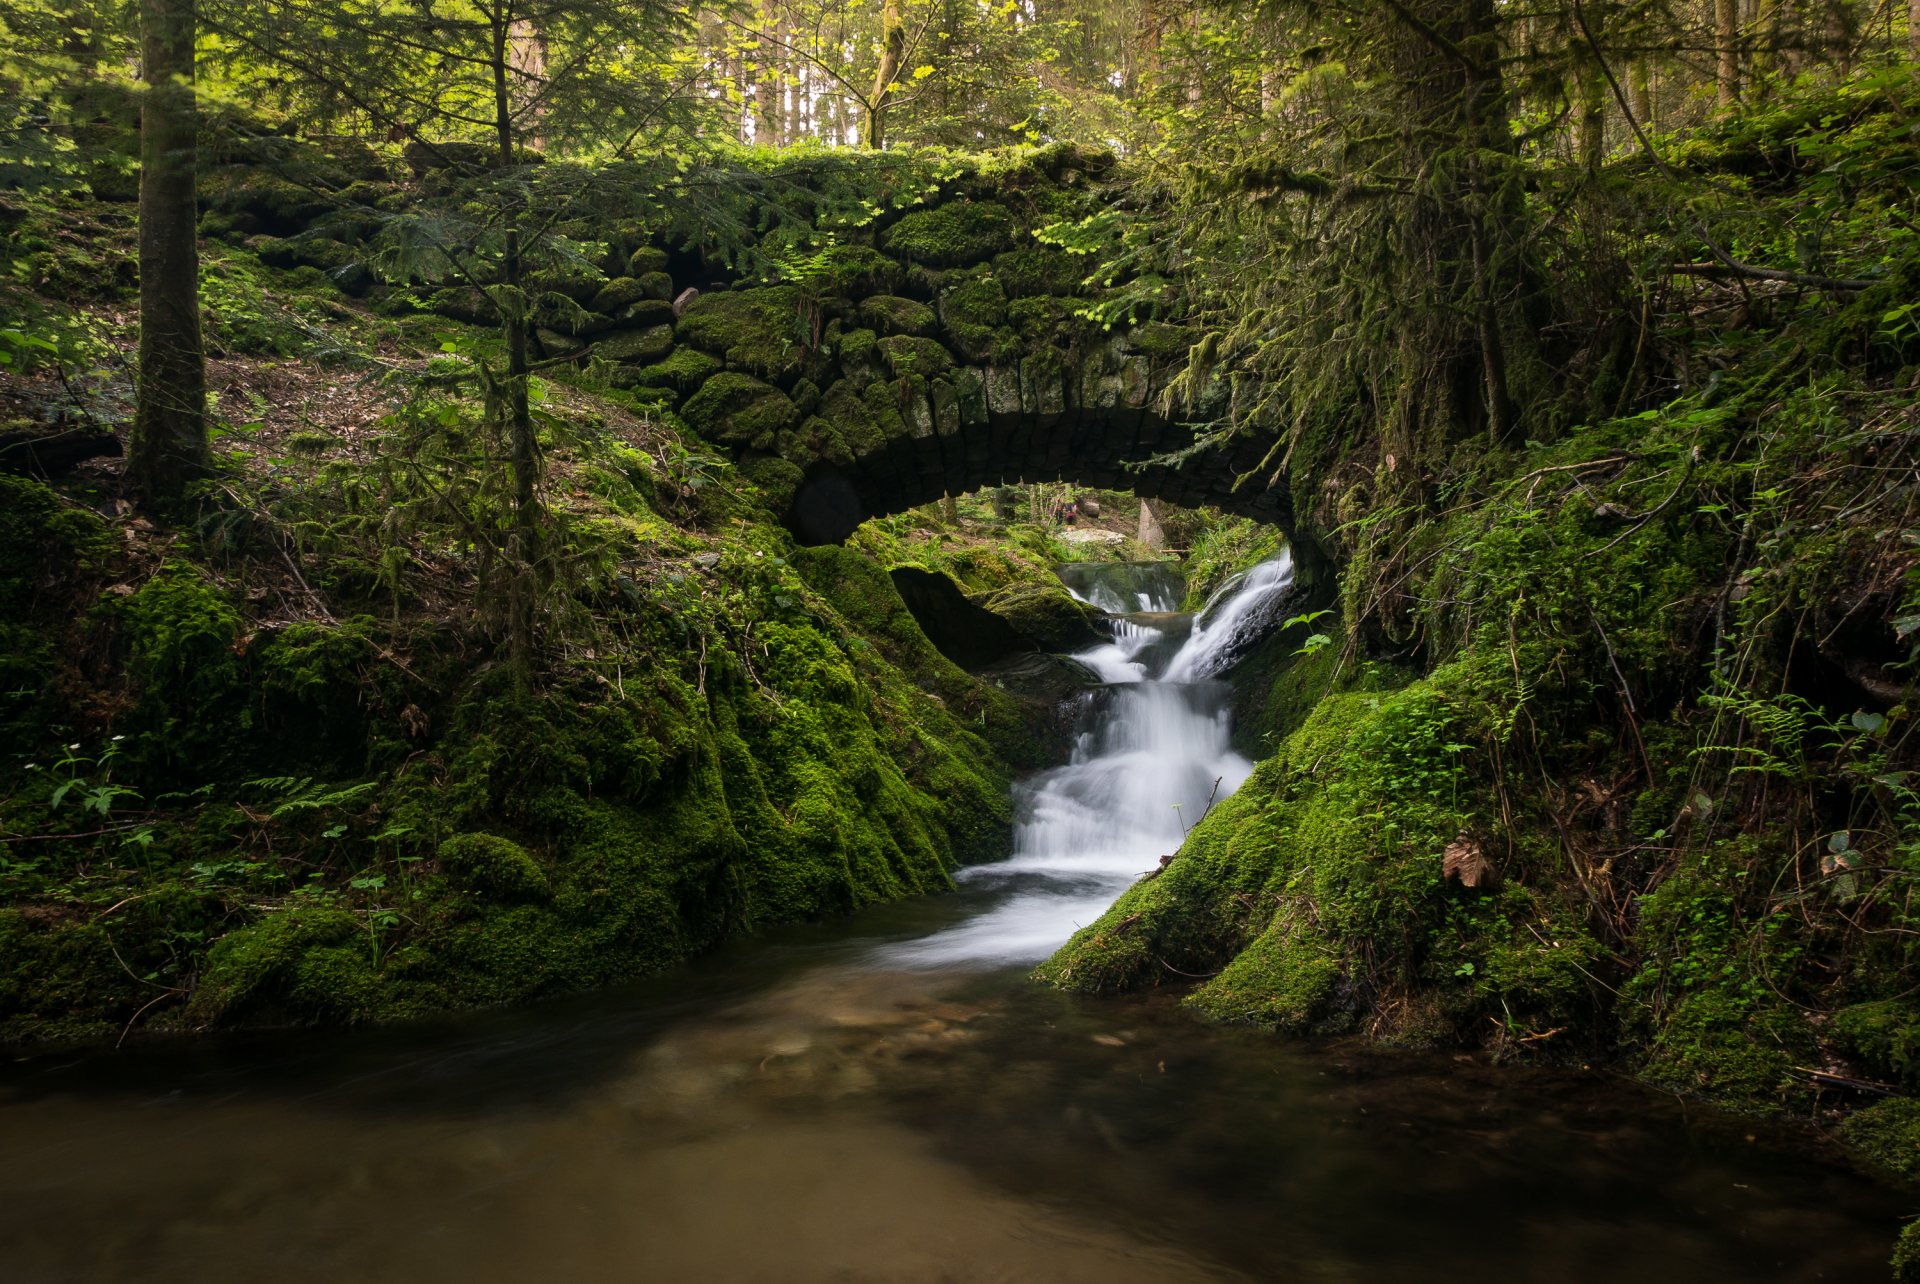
[[1239, 615], [1151, 755]]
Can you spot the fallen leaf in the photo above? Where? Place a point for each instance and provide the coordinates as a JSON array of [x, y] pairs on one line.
[[1465, 862]]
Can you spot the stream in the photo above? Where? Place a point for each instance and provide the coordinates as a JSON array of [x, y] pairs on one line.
[[888, 1098]]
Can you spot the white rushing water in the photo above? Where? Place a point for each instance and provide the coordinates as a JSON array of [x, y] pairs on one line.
[[1151, 755]]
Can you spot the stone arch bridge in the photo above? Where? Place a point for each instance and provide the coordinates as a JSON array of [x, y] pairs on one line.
[[935, 351], [940, 353]]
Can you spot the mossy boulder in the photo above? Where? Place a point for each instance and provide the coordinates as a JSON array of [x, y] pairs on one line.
[[957, 233], [1738, 1052], [1040, 269], [857, 270], [1887, 1135], [682, 371], [1160, 340], [844, 409], [1906, 1255], [973, 317], [493, 866], [739, 410], [1883, 1037], [756, 330], [636, 347], [904, 355], [618, 293], [646, 261], [262, 970], [891, 314], [1045, 614], [1284, 980]]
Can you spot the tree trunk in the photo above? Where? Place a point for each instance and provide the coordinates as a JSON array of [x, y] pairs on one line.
[[1913, 30], [168, 448], [1726, 33], [523, 446], [893, 45], [1641, 92]]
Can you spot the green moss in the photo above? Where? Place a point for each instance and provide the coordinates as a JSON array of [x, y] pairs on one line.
[[954, 234], [685, 370], [1160, 340], [858, 269], [1039, 269], [973, 315], [48, 550], [1735, 1050], [181, 632], [1045, 613], [1887, 1135], [739, 409], [1906, 1255], [619, 292], [493, 866], [777, 479], [635, 347], [256, 970], [1283, 980], [905, 355], [757, 330], [645, 261], [59, 979], [1884, 1037], [891, 314]]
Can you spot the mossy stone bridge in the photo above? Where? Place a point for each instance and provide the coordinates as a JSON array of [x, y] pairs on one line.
[[946, 356], [935, 352]]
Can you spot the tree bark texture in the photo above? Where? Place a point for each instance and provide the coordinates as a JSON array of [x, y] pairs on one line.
[[893, 44], [168, 448], [1726, 33]]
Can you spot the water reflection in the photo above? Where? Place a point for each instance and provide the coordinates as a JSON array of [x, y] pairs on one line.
[[886, 1099]]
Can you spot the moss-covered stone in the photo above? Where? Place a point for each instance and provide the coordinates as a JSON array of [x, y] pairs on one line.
[[1739, 1052], [1884, 1037], [973, 317], [1046, 614], [957, 233], [1283, 980], [260, 971], [1040, 269], [759, 330], [739, 409], [905, 355], [891, 314], [645, 261], [1887, 1135], [494, 866], [1906, 1255], [618, 293], [857, 270], [1160, 340], [635, 347], [683, 371]]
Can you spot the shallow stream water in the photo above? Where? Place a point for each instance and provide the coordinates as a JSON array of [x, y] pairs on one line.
[[888, 1098]]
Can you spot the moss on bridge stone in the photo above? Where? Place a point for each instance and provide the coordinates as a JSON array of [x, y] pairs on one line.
[[758, 330], [906, 355], [683, 371], [1040, 269], [636, 347], [739, 410], [892, 314], [958, 233]]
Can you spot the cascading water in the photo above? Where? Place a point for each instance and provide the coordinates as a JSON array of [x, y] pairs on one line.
[[1151, 756]]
